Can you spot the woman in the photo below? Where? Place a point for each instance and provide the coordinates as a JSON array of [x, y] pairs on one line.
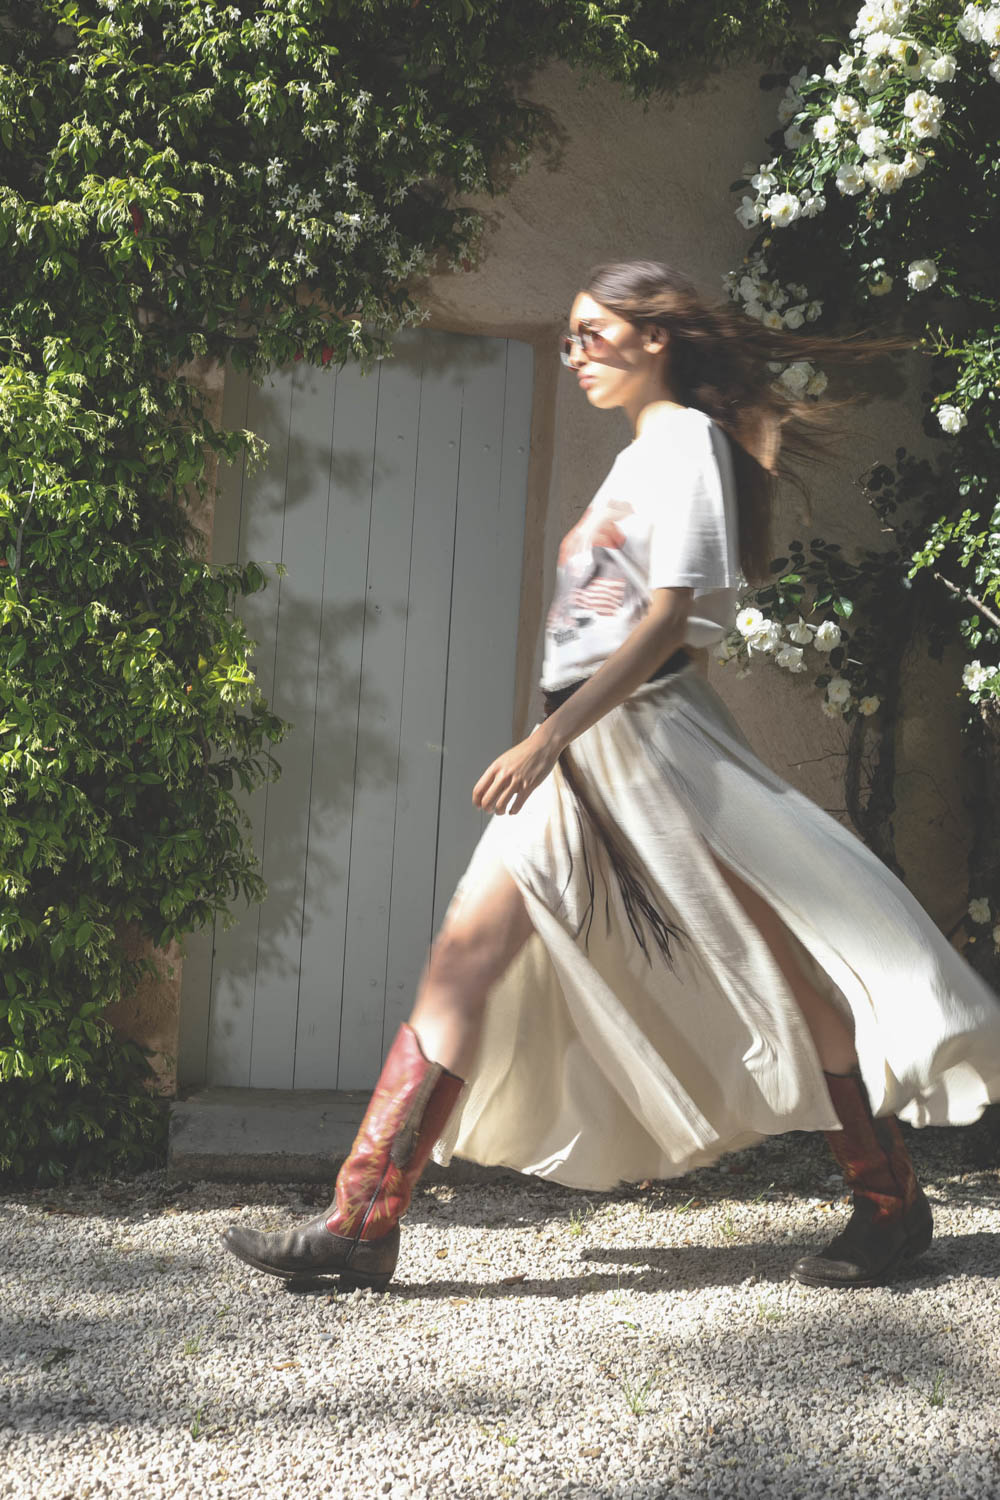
[[681, 953]]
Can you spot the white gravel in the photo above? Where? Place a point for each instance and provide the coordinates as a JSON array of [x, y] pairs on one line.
[[536, 1341]]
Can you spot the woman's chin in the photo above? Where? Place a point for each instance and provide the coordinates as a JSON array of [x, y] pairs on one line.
[[597, 397]]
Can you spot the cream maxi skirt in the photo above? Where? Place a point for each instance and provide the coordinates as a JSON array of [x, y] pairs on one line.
[[600, 1064]]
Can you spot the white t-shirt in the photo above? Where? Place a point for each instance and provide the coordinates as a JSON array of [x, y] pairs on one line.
[[665, 517]]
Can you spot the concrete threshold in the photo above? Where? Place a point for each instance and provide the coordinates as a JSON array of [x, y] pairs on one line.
[[278, 1135]]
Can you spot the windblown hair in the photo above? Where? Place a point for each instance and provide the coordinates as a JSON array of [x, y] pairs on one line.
[[718, 362]]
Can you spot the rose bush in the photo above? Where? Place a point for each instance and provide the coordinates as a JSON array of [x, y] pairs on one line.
[[879, 207]]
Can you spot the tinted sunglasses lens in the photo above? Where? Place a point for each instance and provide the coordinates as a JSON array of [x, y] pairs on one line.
[[566, 348]]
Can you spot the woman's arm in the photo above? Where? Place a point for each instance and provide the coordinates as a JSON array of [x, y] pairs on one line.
[[508, 783]]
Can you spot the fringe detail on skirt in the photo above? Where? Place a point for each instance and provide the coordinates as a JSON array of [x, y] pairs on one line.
[[640, 908]]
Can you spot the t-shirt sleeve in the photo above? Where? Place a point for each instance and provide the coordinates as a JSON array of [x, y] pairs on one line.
[[688, 483]]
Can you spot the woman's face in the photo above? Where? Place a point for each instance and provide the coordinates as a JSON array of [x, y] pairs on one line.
[[621, 361]]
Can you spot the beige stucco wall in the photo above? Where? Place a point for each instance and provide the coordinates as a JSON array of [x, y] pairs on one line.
[[652, 183]]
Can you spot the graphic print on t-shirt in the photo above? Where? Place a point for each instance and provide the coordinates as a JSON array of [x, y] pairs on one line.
[[596, 581]]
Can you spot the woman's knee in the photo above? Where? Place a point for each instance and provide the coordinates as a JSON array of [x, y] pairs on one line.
[[460, 959], [472, 953]]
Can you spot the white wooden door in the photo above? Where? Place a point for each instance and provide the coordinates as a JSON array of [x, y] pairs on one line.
[[396, 503]]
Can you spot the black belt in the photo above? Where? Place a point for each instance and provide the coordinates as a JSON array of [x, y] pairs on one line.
[[557, 698]]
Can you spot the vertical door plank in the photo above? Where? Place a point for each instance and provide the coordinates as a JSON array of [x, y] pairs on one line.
[[379, 723], [411, 912], [508, 533], [286, 824], [199, 948], [470, 738], [335, 748], [260, 540]]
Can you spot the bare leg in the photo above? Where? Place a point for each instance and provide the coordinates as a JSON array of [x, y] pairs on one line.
[[831, 1034], [468, 956]]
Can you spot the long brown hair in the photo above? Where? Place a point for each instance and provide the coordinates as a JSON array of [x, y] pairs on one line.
[[718, 362]]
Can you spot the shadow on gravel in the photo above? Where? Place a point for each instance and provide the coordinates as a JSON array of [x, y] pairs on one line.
[[687, 1268]]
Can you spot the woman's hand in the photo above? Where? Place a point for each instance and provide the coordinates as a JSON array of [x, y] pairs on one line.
[[507, 784]]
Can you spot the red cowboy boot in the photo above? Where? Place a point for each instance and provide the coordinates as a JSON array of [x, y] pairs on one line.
[[357, 1238], [891, 1223]]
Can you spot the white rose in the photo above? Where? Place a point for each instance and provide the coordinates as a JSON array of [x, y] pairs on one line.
[[767, 638], [831, 709], [940, 69], [813, 311], [790, 657], [894, 13], [754, 309], [838, 690], [825, 129], [788, 108], [920, 102], [989, 26], [979, 909], [869, 705], [921, 274], [784, 209], [994, 70], [827, 636], [796, 377], [968, 26], [763, 180], [871, 77], [913, 164], [975, 676], [881, 285], [748, 213], [996, 937], [889, 176], [850, 180], [749, 621], [772, 319], [795, 317], [952, 419], [869, 18], [794, 136], [813, 204], [801, 632], [816, 384], [872, 140], [924, 126], [877, 43], [747, 288], [844, 108], [841, 73]]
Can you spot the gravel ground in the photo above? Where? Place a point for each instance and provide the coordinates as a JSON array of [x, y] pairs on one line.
[[536, 1342]]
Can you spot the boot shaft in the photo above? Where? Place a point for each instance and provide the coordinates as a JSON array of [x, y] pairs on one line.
[[870, 1152], [408, 1110]]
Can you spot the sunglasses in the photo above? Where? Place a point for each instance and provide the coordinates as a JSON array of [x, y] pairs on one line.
[[590, 341]]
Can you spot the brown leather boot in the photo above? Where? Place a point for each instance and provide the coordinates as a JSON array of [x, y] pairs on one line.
[[357, 1238], [891, 1223]]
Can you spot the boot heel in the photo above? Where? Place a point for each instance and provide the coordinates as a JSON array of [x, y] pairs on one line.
[[921, 1240], [375, 1281]]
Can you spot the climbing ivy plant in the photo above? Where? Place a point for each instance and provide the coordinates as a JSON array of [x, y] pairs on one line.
[[184, 180]]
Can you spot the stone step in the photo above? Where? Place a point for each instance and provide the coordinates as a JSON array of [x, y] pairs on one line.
[[278, 1135]]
